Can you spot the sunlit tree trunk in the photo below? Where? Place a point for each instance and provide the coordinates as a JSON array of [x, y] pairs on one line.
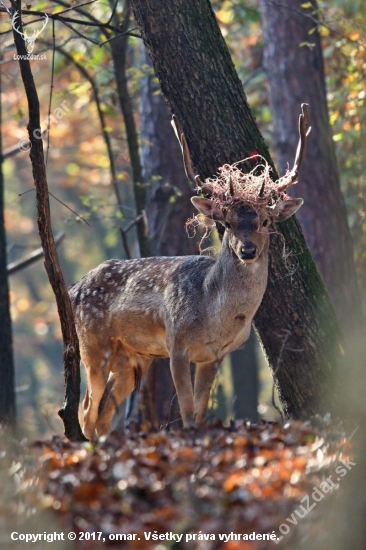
[[293, 61], [296, 321]]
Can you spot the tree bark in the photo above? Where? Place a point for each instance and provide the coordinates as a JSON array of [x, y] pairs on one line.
[[7, 386], [296, 321], [71, 356], [296, 75], [168, 208]]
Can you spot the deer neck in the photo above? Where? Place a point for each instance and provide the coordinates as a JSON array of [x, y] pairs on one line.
[[234, 284]]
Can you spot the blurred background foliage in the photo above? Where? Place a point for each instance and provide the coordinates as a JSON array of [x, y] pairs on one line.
[[79, 169]]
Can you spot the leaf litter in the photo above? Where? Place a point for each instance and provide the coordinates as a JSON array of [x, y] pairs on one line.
[[242, 478]]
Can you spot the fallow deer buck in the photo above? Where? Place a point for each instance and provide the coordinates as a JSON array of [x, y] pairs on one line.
[[191, 308]]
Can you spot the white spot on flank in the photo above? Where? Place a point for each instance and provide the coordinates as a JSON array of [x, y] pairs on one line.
[[107, 275], [94, 293]]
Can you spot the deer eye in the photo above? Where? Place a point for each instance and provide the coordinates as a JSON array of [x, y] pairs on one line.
[[265, 223], [227, 225]]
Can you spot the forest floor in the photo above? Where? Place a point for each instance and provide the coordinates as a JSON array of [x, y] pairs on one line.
[[206, 489]]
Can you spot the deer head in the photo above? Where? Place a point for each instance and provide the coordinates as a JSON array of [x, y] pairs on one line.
[[246, 213], [29, 40], [246, 227]]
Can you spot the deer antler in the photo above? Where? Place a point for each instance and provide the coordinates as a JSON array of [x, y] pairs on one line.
[[304, 131], [231, 186], [195, 179], [261, 190]]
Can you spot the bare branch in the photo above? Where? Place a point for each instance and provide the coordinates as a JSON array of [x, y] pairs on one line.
[[14, 267], [129, 33]]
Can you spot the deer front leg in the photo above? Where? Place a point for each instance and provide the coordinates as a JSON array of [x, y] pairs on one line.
[[181, 373], [205, 375]]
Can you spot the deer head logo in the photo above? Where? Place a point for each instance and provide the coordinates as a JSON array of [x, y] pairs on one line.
[[29, 40]]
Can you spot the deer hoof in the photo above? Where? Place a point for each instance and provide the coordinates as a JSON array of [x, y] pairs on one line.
[[190, 425]]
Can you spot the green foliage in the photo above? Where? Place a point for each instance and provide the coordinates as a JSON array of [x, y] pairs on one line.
[[345, 59]]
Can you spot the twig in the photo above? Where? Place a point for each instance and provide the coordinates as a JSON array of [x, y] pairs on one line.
[[79, 33], [284, 341], [60, 201], [252, 74], [168, 422], [125, 243], [77, 6], [113, 12], [129, 33], [58, 16], [51, 87], [14, 267], [90, 16], [71, 210]]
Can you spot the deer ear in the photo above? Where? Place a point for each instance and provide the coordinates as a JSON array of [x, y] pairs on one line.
[[207, 208], [285, 209]]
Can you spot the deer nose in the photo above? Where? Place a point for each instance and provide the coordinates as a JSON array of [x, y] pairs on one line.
[[248, 250]]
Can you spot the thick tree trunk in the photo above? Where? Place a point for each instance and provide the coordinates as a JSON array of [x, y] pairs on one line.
[[296, 75], [168, 208], [7, 390], [296, 321]]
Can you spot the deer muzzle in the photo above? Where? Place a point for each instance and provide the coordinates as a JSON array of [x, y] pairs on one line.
[[248, 251]]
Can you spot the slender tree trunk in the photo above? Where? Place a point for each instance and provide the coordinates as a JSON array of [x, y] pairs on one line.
[[71, 356], [119, 51], [244, 368], [7, 375], [296, 320], [168, 208], [296, 75]]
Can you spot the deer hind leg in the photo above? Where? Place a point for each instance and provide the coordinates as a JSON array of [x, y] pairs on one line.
[[205, 375], [181, 373], [124, 377], [96, 382]]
